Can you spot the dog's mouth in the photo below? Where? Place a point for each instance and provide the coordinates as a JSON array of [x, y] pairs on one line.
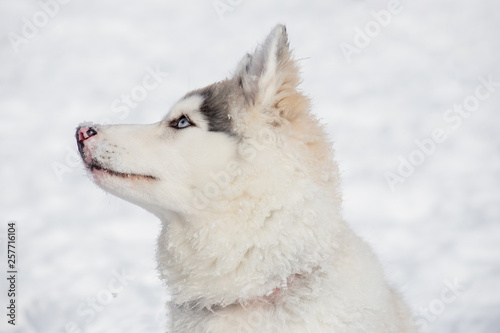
[[95, 167]]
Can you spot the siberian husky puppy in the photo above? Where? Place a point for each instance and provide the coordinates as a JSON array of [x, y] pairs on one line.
[[241, 175]]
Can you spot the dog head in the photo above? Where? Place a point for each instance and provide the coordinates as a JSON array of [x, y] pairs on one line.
[[214, 139]]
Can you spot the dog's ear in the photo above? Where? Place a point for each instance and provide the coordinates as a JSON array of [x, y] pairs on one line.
[[269, 71]]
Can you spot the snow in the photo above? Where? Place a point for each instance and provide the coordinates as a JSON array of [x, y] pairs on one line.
[[438, 228]]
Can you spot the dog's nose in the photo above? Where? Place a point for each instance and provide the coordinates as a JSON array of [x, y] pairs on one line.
[[84, 132]]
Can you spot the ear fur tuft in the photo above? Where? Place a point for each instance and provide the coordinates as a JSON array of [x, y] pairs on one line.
[[268, 71]]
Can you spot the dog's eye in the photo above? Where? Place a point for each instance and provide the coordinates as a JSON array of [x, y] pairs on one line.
[[182, 122]]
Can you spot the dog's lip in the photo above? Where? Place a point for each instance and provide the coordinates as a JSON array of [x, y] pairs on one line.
[[96, 166]]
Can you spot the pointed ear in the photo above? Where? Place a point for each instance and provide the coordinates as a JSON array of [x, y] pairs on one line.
[[263, 73]]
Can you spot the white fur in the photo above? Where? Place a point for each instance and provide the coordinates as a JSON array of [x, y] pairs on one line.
[[253, 239]]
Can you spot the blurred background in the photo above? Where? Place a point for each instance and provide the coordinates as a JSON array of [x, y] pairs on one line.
[[409, 91]]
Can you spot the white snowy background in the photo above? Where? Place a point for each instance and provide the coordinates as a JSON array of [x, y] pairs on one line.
[[438, 228]]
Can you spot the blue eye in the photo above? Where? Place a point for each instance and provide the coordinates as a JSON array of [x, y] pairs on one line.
[[183, 122]]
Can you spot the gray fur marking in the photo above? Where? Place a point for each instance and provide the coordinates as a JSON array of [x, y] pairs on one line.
[[215, 106]]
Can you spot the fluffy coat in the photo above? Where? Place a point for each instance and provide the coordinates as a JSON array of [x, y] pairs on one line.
[[252, 236]]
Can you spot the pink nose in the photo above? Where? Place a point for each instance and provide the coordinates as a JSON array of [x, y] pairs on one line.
[[83, 133]]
